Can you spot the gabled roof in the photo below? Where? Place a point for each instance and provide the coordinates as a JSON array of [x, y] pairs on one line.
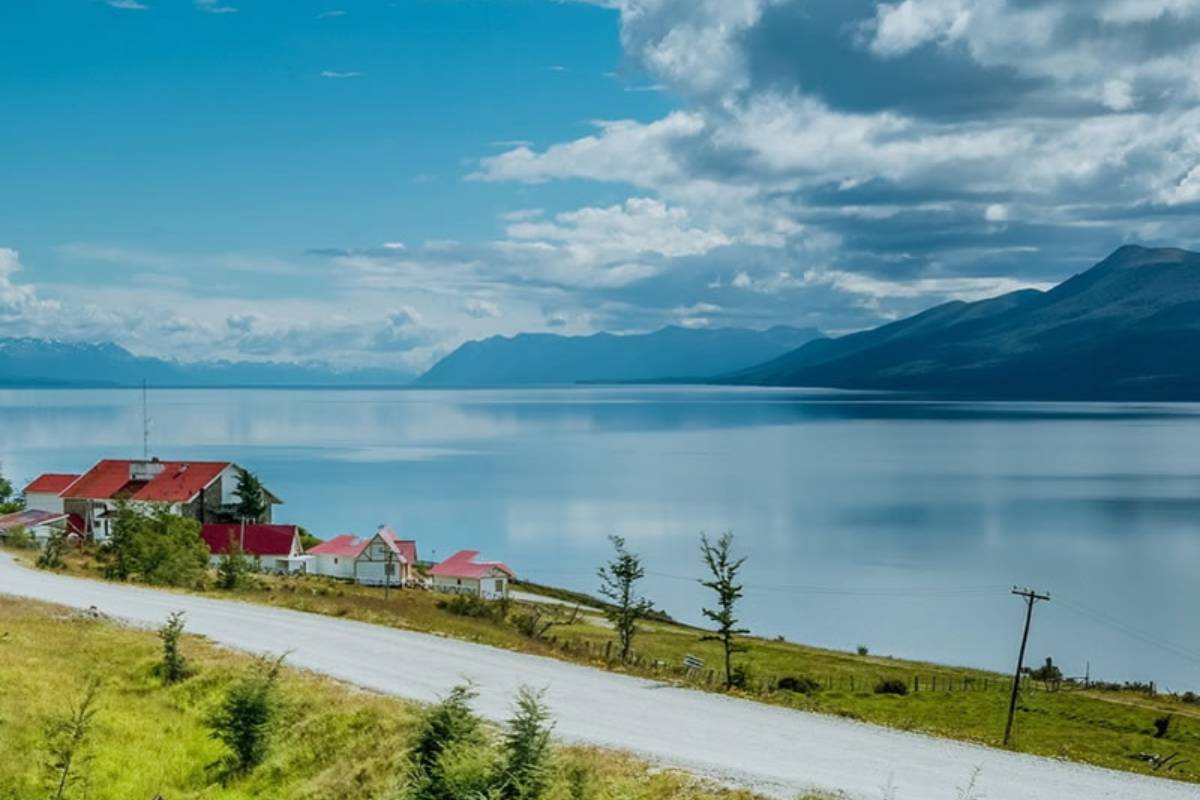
[[347, 545], [177, 482], [30, 519], [256, 540], [405, 548], [50, 483], [463, 565], [350, 546]]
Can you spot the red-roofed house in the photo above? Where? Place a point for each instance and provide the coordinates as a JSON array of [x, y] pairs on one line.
[[462, 574], [382, 559], [276, 548], [41, 525], [196, 489]]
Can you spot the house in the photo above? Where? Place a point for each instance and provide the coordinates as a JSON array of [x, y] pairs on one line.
[[276, 548], [201, 490], [381, 559], [45, 493], [462, 574], [41, 525]]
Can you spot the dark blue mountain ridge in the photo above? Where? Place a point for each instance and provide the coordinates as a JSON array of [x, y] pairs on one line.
[[671, 354], [1126, 329]]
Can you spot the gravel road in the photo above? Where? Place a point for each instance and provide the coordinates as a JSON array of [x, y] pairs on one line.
[[775, 751]]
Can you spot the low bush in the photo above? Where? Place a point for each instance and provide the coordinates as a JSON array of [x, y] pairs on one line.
[[891, 686], [474, 606], [19, 538], [54, 553], [863, 650], [1162, 726], [173, 667], [243, 721], [801, 684]]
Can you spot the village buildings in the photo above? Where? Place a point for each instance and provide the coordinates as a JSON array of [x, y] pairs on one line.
[[201, 490], [462, 574]]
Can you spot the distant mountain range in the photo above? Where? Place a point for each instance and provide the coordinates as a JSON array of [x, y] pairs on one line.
[[1126, 329], [670, 354], [41, 362]]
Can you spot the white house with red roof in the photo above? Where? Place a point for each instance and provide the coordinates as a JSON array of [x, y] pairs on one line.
[[196, 489], [382, 559], [274, 548], [462, 574]]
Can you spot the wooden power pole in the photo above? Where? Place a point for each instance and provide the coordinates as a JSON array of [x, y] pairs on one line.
[[1031, 597]]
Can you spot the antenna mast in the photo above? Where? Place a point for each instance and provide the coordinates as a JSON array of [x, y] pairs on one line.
[[145, 424]]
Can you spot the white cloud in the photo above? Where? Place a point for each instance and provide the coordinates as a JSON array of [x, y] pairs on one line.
[[901, 27], [996, 212], [331, 14], [127, 5], [214, 7], [334, 75], [481, 309]]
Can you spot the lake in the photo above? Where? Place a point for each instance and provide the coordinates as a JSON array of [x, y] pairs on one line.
[[893, 524]]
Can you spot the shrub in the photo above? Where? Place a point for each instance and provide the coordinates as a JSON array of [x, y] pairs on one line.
[[243, 721], [799, 684], [474, 606], [20, 538], [233, 570], [526, 748], [863, 650], [53, 554], [1191, 698], [440, 755], [159, 548], [173, 667], [891, 686], [1162, 725]]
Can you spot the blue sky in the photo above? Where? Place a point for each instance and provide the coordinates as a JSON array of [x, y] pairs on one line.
[[374, 182]]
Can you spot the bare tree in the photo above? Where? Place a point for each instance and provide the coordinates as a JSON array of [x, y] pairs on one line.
[[617, 582], [724, 569]]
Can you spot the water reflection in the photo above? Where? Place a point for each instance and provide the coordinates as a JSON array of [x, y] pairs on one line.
[[844, 493]]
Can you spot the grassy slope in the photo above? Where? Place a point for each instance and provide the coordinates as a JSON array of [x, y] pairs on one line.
[[1104, 728], [333, 741]]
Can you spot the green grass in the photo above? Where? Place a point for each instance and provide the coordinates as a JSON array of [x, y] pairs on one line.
[[1104, 728], [331, 741]]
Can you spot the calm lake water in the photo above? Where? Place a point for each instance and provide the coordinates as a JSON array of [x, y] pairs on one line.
[[897, 525]]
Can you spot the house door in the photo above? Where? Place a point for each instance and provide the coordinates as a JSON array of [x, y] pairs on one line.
[[499, 587]]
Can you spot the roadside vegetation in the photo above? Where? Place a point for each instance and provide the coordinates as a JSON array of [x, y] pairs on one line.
[[111, 725], [1131, 727]]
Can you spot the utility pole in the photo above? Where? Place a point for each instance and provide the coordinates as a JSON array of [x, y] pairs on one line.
[[1031, 597]]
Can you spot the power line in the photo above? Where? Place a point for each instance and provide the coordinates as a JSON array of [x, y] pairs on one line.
[[1153, 640]]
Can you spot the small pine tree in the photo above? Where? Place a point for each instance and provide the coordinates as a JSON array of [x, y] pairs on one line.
[[68, 743], [243, 721], [173, 667], [449, 722], [617, 583], [526, 748], [724, 569], [234, 567], [252, 504], [54, 553]]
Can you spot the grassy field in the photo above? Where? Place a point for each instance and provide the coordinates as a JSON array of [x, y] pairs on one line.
[[150, 741], [1109, 728]]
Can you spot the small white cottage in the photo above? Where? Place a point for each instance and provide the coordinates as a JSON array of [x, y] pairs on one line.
[[381, 560], [462, 574]]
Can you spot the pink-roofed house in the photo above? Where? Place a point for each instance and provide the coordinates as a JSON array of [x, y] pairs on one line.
[[382, 559], [462, 574]]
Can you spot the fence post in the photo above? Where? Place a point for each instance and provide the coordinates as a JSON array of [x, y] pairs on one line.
[[916, 683], [608, 650]]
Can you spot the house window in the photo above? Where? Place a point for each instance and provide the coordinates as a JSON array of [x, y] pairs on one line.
[[458, 581], [335, 561]]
